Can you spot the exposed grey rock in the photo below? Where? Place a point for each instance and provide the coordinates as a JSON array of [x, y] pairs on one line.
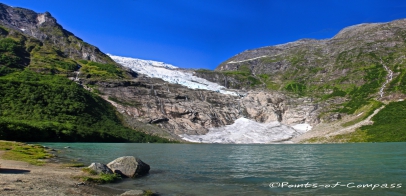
[[129, 166], [100, 168], [202, 110], [133, 193]]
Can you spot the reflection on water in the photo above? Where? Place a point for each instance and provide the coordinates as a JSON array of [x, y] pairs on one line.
[[214, 169]]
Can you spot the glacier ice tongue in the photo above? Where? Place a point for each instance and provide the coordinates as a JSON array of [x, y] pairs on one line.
[[245, 131], [169, 73]]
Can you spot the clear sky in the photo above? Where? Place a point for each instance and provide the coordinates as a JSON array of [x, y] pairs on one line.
[[204, 33]]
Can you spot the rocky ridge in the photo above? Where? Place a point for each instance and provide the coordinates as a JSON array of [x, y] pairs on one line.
[[45, 28], [338, 72]]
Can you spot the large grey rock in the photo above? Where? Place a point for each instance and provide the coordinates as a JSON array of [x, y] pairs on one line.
[[129, 166], [100, 168], [133, 193]]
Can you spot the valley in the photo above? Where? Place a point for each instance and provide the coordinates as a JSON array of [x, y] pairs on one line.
[[303, 91]]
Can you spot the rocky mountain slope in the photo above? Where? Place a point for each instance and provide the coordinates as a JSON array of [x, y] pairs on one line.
[[54, 49], [181, 110], [152, 105], [359, 67], [37, 100], [274, 93], [357, 56], [45, 28]]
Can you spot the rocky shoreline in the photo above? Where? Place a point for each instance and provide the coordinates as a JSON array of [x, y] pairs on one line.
[[21, 178]]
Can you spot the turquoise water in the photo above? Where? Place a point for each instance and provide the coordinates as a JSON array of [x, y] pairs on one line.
[[215, 169]]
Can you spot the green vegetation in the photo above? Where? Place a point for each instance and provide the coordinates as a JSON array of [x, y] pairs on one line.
[[149, 193], [389, 124], [364, 112], [336, 93], [89, 171], [360, 96], [33, 154], [296, 87], [296, 59], [99, 70], [99, 179], [269, 83], [38, 102], [353, 137], [244, 76], [398, 84], [36, 107], [11, 53], [50, 60]]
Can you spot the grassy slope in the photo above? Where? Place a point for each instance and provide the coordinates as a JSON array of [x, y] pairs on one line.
[[38, 102], [33, 154], [353, 76], [389, 124]]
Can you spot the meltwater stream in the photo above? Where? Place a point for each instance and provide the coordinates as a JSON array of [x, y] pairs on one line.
[[216, 169]]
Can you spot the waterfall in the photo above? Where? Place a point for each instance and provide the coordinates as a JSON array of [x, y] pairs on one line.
[[388, 78]]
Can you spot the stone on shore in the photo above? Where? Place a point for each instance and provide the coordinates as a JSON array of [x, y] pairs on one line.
[[100, 168], [129, 166], [133, 193]]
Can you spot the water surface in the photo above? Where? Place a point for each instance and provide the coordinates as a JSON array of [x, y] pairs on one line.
[[215, 169]]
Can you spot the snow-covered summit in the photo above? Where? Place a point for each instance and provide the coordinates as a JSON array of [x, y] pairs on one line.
[[169, 73]]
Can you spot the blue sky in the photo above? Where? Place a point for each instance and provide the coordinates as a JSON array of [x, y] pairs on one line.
[[204, 33]]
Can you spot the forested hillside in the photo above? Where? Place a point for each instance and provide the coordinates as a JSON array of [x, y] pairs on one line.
[[39, 103]]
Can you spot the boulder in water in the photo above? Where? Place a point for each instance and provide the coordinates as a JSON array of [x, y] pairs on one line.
[[100, 168], [129, 166]]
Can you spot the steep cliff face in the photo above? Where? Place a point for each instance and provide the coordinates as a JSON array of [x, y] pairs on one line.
[[45, 28], [359, 64], [180, 110]]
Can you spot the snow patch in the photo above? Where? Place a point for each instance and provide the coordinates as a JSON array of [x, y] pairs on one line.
[[22, 29], [247, 59], [245, 131], [302, 128], [169, 73]]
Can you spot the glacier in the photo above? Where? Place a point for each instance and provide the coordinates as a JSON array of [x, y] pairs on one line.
[[243, 131], [170, 73], [246, 131]]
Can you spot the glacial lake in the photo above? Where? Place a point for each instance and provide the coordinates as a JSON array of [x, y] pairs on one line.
[[220, 169]]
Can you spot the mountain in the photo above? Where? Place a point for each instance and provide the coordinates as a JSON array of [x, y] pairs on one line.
[[45, 28], [37, 100], [339, 86], [351, 75], [38, 57], [190, 107], [56, 87], [52, 49]]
